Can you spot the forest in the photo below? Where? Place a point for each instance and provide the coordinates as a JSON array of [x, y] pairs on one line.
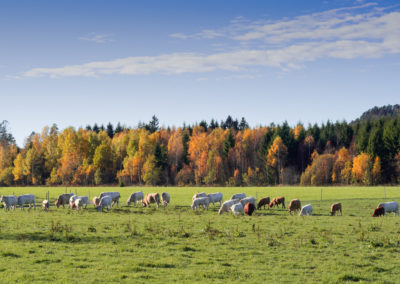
[[227, 153]]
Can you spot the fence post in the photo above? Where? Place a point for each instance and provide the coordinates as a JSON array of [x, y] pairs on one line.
[[321, 194], [384, 188]]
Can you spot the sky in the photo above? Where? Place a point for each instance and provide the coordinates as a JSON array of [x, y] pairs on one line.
[[76, 63]]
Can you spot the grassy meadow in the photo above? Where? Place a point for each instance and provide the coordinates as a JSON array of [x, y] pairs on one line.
[[176, 244]]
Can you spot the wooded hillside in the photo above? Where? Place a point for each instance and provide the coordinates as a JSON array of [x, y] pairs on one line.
[[366, 152]]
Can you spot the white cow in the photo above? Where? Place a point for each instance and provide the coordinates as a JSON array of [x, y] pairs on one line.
[[105, 201], [238, 196], [237, 209], [135, 197], [197, 195], [78, 203], [392, 206], [9, 201], [201, 201], [45, 205], [226, 206], [166, 198], [306, 210], [249, 199], [73, 198], [215, 197], [26, 199], [114, 195]]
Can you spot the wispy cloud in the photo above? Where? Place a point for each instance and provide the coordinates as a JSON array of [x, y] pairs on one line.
[[364, 31], [97, 38]]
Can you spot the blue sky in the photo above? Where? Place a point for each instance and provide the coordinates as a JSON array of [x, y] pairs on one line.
[[79, 62]]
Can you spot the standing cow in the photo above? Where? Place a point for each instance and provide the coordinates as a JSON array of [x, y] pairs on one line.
[[27, 199], [151, 198], [166, 198], [63, 199], [135, 198], [249, 209], [335, 208], [114, 196], [294, 206], [263, 202]]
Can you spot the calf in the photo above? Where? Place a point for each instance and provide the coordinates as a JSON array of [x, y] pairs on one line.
[[294, 206], [96, 201], [105, 201], [151, 198], [263, 202], [249, 209], [45, 205], [306, 210], [379, 211], [114, 196], [197, 195], [134, 198], [201, 201], [227, 205], [166, 198], [335, 208], [237, 209]]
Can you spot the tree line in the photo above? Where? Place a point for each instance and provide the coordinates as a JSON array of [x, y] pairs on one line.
[[229, 152]]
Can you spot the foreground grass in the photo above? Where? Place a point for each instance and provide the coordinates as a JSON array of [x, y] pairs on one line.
[[175, 244]]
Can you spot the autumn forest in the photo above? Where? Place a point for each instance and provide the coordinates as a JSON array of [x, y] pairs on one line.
[[363, 152]]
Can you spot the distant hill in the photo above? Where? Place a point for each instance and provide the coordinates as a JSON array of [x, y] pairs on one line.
[[380, 112]]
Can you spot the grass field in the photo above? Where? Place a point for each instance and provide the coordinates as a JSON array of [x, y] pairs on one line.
[[175, 244]]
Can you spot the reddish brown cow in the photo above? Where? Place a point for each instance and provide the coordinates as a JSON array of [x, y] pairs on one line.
[[294, 206], [151, 198], [249, 209], [276, 201], [263, 201], [379, 211], [335, 208], [96, 201]]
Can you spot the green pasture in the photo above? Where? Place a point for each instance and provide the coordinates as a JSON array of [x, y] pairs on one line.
[[176, 244]]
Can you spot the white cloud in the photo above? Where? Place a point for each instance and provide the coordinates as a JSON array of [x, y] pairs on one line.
[[97, 38], [287, 44]]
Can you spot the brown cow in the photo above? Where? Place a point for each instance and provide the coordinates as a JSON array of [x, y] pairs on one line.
[[249, 209], [379, 211], [335, 208], [294, 206], [276, 201], [263, 201], [63, 199], [151, 198]]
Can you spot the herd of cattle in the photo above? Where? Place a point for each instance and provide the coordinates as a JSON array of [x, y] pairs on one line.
[[239, 204]]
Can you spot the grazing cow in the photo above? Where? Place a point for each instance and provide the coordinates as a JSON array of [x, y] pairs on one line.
[[73, 198], [63, 199], [26, 199], [306, 210], [114, 195], [201, 201], [166, 198], [225, 207], [96, 201], [215, 197], [276, 201], [392, 206], [380, 211], [45, 205], [249, 209], [135, 197], [78, 203], [237, 209], [151, 198], [105, 201], [294, 206], [249, 199], [335, 208], [263, 201], [239, 196], [197, 195], [9, 201]]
